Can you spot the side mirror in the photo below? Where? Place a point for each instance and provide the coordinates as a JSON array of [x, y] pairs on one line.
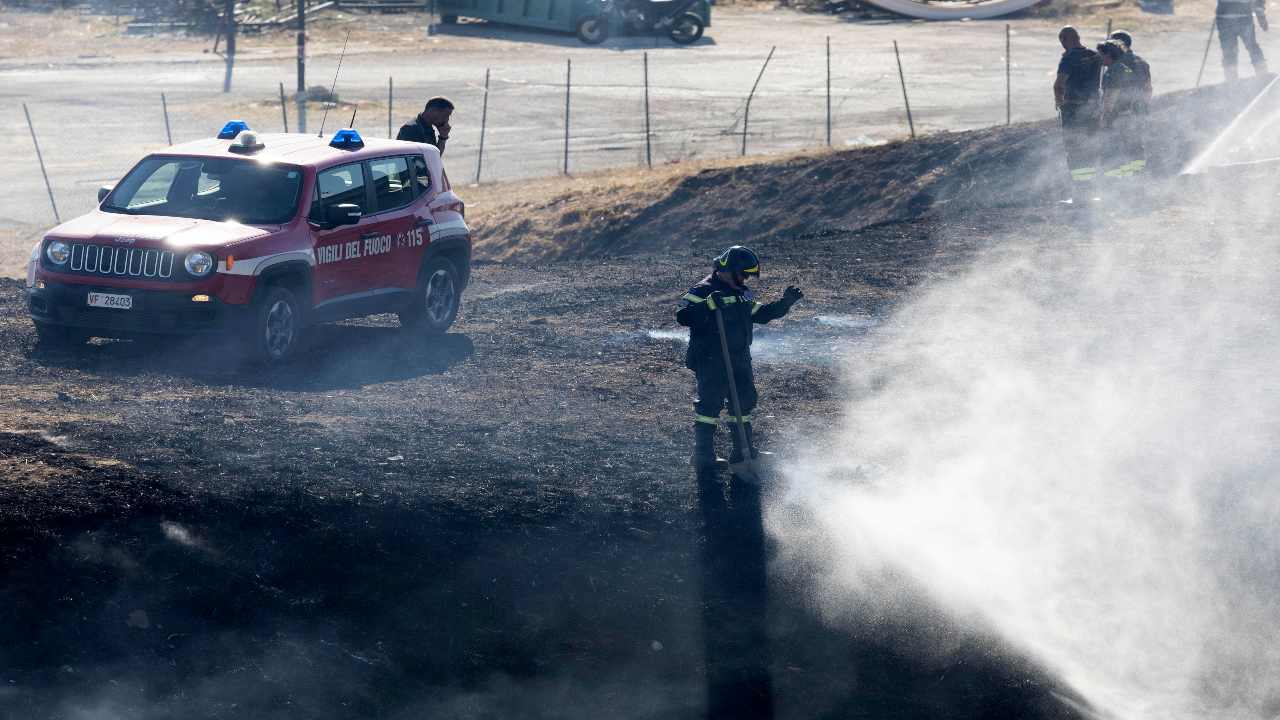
[[103, 192], [343, 214]]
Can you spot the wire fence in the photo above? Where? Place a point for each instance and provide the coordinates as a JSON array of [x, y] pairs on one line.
[[594, 112]]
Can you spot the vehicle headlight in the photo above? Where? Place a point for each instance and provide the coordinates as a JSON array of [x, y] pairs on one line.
[[199, 263], [57, 252]]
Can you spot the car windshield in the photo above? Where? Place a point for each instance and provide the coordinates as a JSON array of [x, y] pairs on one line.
[[206, 188]]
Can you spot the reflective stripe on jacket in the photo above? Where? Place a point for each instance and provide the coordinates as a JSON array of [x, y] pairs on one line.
[[740, 312]]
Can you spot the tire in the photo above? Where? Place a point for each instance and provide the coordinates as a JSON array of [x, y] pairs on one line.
[[60, 337], [593, 30], [275, 327], [435, 303], [449, 19], [687, 29]]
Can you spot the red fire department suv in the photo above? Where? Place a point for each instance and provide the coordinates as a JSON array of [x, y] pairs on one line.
[[258, 235]]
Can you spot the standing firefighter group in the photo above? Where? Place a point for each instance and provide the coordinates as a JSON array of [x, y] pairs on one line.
[[1102, 97]]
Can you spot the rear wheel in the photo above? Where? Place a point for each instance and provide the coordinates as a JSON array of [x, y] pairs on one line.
[[594, 30], [435, 303], [687, 29], [275, 327], [60, 337]]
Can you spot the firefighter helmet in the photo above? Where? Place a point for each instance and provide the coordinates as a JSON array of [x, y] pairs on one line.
[[737, 259], [1123, 37]]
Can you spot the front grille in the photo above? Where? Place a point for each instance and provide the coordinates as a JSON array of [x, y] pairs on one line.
[[113, 261]]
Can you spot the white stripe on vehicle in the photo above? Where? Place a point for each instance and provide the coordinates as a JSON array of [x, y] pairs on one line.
[[255, 266]]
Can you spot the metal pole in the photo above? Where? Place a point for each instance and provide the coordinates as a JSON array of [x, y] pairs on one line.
[[1008, 77], [230, 10], [40, 158], [648, 142], [484, 121], [284, 109], [828, 91], [746, 112], [1207, 44], [302, 65], [391, 91], [902, 79], [568, 75], [164, 105], [1108, 37]]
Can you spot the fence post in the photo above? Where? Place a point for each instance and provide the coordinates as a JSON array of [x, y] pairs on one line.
[[1207, 44], [302, 65], [484, 120], [391, 93], [230, 10], [902, 79], [568, 75], [1008, 77], [284, 109], [1108, 37], [40, 158], [746, 112], [164, 105], [828, 91], [648, 144]]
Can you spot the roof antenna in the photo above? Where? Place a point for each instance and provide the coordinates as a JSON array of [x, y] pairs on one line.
[[352, 124], [334, 86]]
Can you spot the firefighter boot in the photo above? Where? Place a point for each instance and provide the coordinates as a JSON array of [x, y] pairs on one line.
[[739, 453], [704, 446]]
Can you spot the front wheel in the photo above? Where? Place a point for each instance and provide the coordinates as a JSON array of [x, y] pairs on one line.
[[435, 302], [687, 29], [275, 327], [594, 30]]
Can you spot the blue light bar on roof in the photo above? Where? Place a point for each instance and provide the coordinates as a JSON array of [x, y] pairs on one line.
[[347, 139], [232, 129]]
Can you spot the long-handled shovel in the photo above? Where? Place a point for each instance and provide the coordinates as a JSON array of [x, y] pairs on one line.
[[747, 468]]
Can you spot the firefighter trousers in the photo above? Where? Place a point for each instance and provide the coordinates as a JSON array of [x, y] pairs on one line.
[[713, 387]]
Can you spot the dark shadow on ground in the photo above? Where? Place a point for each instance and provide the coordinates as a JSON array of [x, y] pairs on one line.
[[329, 357], [735, 592]]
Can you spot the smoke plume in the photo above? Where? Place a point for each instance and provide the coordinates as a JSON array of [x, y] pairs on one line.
[[1072, 445]]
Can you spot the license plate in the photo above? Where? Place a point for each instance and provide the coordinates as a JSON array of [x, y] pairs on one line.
[[110, 300]]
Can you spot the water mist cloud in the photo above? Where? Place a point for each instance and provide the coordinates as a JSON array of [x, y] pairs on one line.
[[1073, 446]]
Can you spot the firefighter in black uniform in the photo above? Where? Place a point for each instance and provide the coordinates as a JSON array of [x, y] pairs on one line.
[[431, 126], [1235, 22], [1123, 102], [725, 288], [1075, 95], [1140, 66]]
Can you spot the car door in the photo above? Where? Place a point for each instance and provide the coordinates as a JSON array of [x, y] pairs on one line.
[[338, 271], [393, 238]]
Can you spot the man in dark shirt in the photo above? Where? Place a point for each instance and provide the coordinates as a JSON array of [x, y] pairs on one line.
[[1075, 95], [431, 126], [1235, 22]]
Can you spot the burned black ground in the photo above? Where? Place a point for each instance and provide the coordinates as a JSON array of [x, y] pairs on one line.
[[499, 522], [496, 523]]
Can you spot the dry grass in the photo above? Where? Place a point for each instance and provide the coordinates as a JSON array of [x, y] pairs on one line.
[[555, 206]]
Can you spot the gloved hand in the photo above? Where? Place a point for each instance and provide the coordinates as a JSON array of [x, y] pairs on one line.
[[717, 299], [792, 295]]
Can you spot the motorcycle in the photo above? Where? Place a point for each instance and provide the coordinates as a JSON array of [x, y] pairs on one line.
[[644, 16]]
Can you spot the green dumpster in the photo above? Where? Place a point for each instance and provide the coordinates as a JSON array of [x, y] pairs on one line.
[[575, 16]]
